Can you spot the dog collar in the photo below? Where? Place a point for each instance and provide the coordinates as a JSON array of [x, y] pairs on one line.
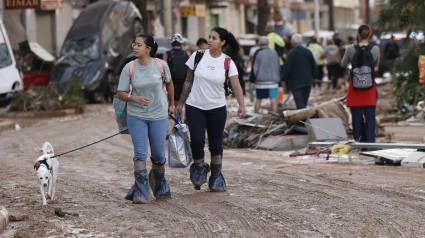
[[40, 162]]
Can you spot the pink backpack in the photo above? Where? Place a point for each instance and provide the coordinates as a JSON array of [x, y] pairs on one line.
[[159, 65]]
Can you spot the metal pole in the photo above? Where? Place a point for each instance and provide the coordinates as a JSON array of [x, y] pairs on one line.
[[370, 145], [316, 19], [168, 27]]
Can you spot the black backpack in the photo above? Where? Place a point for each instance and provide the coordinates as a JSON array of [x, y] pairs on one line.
[[177, 62], [362, 68]]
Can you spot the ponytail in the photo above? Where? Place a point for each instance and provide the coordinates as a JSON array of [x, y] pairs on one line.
[[150, 42], [231, 47]]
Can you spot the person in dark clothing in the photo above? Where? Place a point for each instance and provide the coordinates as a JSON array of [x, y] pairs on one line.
[[391, 53], [299, 72], [240, 65], [202, 44], [176, 59]]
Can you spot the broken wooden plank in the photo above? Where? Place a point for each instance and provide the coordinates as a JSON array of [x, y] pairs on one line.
[[365, 145]]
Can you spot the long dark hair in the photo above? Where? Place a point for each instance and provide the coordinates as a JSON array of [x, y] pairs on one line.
[[231, 47], [150, 42]]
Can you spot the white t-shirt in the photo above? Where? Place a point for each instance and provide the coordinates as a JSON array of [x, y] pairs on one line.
[[208, 86], [252, 50]]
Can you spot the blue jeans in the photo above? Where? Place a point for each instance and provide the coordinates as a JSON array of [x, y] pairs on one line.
[[156, 131], [213, 121], [363, 120], [301, 96]]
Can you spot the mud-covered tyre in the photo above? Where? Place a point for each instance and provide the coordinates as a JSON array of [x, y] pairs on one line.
[[109, 85]]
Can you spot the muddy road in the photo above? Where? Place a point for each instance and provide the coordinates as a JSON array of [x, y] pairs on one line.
[[269, 194]]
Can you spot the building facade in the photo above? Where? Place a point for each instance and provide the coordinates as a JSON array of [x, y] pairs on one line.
[[49, 22]]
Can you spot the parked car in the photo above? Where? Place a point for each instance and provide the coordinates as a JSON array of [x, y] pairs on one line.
[[10, 75], [38, 72], [97, 47]]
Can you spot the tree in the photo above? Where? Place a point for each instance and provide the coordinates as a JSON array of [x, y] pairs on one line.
[[331, 15], [263, 15], [142, 6], [408, 16]]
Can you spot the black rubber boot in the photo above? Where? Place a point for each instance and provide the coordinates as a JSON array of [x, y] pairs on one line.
[[198, 173], [139, 193], [157, 182], [216, 182]]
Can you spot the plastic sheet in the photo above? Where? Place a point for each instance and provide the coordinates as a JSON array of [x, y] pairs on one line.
[[179, 152]]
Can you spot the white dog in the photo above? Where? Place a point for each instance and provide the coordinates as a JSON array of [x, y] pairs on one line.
[[421, 106], [46, 170]]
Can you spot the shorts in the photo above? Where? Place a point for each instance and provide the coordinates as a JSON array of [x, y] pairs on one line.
[[266, 93]]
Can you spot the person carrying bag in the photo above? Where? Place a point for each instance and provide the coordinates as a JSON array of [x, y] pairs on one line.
[[147, 118]]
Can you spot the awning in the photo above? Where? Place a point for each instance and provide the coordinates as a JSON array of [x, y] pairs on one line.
[[50, 4], [42, 53]]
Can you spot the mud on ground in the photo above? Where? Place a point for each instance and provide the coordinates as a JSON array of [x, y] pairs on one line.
[[269, 194]]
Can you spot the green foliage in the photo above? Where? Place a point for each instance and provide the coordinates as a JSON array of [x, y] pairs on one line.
[[73, 95], [408, 16], [47, 98]]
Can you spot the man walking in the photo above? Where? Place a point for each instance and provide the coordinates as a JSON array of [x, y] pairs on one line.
[[265, 74], [299, 71], [276, 43], [176, 59]]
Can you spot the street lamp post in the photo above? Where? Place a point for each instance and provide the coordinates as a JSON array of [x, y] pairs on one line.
[[316, 19]]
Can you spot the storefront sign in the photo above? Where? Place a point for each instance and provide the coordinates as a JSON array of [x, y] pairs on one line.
[[39, 4], [193, 10], [21, 4]]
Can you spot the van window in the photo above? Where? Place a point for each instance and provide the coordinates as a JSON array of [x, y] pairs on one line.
[[5, 59]]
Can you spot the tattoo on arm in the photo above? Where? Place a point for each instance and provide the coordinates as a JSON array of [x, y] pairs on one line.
[[187, 86]]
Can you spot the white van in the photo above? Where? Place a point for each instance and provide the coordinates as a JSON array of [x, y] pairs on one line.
[[10, 76], [323, 37]]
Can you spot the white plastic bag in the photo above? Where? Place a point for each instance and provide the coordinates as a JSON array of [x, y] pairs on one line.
[[179, 152]]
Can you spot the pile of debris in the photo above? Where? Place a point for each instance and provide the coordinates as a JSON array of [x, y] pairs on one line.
[[291, 130]]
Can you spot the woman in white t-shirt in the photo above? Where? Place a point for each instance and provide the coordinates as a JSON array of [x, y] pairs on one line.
[[204, 96], [148, 109]]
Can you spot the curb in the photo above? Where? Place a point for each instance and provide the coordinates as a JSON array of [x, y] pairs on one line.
[[4, 219], [39, 114], [6, 124]]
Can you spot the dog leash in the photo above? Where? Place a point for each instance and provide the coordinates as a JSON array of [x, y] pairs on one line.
[[54, 156], [89, 144]]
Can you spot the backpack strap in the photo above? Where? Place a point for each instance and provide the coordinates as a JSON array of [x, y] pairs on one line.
[[160, 67], [132, 68], [226, 75], [252, 76], [198, 57], [169, 56]]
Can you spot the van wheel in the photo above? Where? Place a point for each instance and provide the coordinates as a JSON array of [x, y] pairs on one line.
[[137, 26], [110, 84]]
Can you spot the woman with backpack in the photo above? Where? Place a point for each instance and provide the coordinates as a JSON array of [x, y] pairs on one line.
[[362, 94], [176, 58], [148, 110], [204, 96]]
